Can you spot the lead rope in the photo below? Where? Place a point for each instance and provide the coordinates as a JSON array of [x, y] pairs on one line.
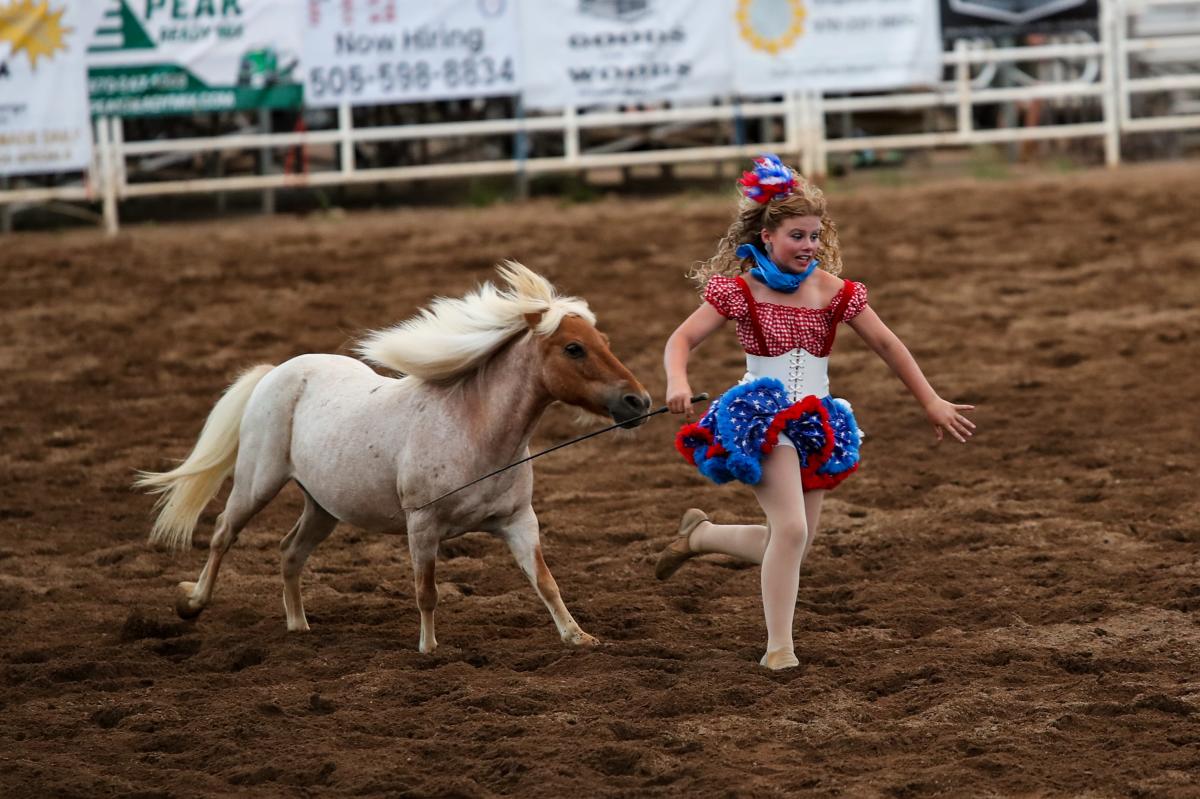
[[663, 409]]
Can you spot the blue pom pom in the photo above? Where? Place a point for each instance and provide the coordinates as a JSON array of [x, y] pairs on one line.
[[714, 469], [744, 468], [771, 169], [846, 438]]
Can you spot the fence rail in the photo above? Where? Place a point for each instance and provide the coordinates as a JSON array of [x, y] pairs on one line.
[[804, 116]]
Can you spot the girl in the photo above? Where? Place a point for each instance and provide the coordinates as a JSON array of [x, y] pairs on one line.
[[778, 430]]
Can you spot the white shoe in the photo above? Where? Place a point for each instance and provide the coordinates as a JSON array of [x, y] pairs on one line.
[[780, 659]]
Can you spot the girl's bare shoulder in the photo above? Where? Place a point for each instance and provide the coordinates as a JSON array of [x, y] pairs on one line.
[[829, 287]]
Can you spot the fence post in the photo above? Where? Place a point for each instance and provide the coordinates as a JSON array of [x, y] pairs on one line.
[[962, 75], [118, 145], [345, 143], [266, 161], [521, 152], [739, 126], [791, 126], [820, 156], [1114, 71], [571, 134], [6, 211], [1121, 21], [810, 135], [108, 176]]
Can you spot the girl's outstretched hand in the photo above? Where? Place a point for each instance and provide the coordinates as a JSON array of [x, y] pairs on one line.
[[946, 415], [679, 400]]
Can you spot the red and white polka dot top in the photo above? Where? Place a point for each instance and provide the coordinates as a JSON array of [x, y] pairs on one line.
[[784, 327]]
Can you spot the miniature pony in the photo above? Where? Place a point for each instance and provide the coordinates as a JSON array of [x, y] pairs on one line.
[[478, 372]]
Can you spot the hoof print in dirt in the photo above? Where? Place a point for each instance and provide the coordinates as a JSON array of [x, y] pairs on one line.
[[319, 706], [1166, 704], [244, 658], [138, 626], [109, 717], [256, 777], [177, 648]]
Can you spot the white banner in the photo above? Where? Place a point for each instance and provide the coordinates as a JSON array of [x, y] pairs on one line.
[[44, 123], [395, 51], [153, 57], [611, 52], [834, 45]]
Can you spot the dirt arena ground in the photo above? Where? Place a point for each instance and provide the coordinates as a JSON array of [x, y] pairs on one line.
[[1015, 617]]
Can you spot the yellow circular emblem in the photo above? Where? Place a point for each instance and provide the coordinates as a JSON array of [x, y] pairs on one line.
[[770, 25], [31, 26]]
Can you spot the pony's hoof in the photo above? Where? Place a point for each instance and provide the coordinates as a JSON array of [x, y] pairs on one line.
[[427, 649], [780, 659], [185, 607], [583, 640], [300, 627]]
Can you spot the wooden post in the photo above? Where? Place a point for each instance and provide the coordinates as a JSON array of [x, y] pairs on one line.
[[962, 74], [1114, 66], [266, 162], [108, 176]]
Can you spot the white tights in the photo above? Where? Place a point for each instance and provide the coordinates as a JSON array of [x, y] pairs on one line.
[[792, 521]]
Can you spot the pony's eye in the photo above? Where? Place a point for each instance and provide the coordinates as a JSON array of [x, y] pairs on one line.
[[574, 350]]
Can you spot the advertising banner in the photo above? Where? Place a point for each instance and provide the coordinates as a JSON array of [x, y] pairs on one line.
[[44, 122], [394, 51], [971, 19], [834, 45], [153, 57], [610, 52]]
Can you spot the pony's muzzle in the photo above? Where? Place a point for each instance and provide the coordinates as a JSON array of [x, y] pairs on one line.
[[627, 407]]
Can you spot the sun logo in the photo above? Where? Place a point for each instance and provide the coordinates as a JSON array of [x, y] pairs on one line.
[[31, 26], [770, 25]]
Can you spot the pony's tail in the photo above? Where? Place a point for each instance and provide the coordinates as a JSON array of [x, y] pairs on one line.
[[186, 489]]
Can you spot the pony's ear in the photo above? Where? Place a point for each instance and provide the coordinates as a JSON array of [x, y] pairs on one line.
[[533, 319]]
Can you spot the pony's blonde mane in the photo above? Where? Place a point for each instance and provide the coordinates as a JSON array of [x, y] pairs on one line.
[[453, 336]]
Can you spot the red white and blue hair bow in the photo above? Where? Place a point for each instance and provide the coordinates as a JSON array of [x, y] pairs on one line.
[[770, 178]]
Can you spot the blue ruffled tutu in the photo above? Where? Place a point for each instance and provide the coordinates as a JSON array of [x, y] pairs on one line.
[[743, 425]]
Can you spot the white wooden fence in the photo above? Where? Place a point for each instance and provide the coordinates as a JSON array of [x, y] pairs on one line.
[[1103, 67]]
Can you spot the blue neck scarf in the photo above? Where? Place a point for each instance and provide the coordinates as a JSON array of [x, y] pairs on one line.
[[769, 272]]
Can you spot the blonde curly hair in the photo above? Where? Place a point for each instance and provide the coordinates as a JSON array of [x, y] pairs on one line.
[[753, 217]]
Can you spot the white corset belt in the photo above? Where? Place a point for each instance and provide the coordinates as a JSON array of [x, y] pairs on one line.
[[801, 372]]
